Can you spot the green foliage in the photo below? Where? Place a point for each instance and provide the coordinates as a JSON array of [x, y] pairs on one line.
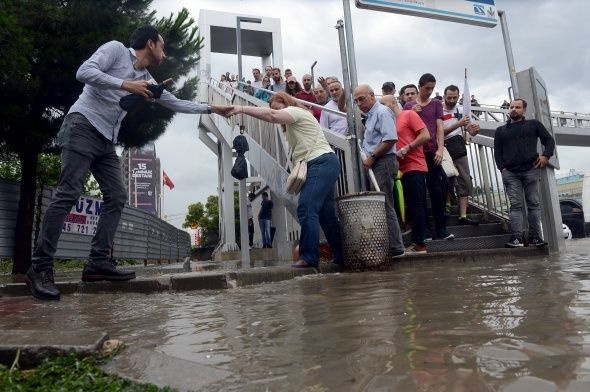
[[183, 44], [205, 217], [69, 373]]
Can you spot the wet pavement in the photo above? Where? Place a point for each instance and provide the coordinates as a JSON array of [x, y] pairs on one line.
[[513, 326]]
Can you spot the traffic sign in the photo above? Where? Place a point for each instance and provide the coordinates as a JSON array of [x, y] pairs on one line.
[[480, 13]]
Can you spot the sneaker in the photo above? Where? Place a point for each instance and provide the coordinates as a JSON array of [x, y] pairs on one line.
[[445, 235], [94, 272], [515, 242], [415, 248], [465, 221], [395, 253], [536, 241], [42, 284]]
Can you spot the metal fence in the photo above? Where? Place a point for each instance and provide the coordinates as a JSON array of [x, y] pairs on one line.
[[140, 235]]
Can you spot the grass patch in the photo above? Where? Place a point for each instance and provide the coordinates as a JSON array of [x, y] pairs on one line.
[[69, 373]]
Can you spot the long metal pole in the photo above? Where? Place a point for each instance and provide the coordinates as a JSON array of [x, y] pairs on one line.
[[244, 245], [350, 44], [312, 75], [509, 55], [239, 47], [357, 164]]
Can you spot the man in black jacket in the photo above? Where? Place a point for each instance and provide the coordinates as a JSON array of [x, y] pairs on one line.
[[515, 146]]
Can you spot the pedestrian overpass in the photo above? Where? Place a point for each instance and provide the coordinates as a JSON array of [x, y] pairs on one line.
[[269, 164]]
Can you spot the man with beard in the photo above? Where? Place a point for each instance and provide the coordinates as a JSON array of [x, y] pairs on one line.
[[278, 82], [454, 124], [515, 150], [307, 95], [320, 95]]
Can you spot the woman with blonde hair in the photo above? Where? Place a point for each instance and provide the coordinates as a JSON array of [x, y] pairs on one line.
[[316, 205]]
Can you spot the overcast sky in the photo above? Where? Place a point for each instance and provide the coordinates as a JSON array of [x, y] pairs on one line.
[[546, 34]]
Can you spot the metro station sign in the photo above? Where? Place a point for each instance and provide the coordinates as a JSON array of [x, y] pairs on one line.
[[479, 13]]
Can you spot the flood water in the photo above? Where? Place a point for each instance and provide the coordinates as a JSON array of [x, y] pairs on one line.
[[517, 326]]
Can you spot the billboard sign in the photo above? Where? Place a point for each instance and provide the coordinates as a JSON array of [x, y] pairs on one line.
[[480, 13], [143, 178], [83, 218]]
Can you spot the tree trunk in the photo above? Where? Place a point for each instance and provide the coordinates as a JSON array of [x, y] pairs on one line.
[[26, 211]]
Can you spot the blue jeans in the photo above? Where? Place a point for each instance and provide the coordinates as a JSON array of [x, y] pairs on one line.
[[83, 150], [414, 183], [317, 208], [515, 184], [265, 232]]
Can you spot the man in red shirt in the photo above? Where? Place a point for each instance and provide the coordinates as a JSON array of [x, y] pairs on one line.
[[411, 135], [307, 95]]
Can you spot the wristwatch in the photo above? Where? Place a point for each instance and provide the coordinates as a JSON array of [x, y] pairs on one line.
[[209, 110]]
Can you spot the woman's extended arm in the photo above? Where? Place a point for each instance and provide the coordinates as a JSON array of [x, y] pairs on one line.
[[265, 114]]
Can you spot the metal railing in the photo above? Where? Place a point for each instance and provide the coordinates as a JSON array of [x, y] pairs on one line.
[[562, 119], [271, 138], [488, 189]]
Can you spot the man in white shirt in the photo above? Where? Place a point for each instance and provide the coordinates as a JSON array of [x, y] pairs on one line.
[[332, 121]]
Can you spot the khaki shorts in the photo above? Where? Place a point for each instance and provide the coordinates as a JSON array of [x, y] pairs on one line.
[[462, 182]]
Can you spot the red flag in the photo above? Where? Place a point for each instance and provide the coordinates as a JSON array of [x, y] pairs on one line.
[[167, 181]]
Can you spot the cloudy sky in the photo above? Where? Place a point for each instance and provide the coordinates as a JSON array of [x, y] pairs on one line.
[[546, 34]]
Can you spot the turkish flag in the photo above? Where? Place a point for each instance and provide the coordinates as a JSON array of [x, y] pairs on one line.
[[167, 181]]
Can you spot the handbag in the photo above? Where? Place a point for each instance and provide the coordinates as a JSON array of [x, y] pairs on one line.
[[298, 174], [448, 165], [456, 146]]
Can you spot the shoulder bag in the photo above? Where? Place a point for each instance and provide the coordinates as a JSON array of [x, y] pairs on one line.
[[298, 174]]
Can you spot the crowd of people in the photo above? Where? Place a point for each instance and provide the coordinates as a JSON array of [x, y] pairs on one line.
[[404, 135]]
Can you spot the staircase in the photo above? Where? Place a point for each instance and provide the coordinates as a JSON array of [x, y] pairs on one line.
[[268, 159]]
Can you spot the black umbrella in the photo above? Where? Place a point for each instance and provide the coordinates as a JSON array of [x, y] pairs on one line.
[[240, 169]]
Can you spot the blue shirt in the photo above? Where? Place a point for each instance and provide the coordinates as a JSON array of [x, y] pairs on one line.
[[379, 127], [103, 74]]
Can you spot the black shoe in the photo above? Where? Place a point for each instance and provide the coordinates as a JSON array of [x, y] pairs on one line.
[[464, 221], [105, 271], [396, 253], [515, 242], [42, 285], [536, 241]]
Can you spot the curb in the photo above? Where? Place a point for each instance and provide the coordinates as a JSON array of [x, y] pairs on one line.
[[190, 281]]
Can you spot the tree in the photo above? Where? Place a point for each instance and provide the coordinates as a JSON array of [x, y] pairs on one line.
[[42, 44], [205, 217]]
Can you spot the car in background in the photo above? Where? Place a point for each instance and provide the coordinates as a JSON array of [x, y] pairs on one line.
[[572, 215], [567, 233]]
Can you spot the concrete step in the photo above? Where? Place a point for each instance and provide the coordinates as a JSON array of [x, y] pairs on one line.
[[483, 229], [468, 243]]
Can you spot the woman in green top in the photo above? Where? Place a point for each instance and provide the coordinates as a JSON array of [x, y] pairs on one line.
[[316, 201]]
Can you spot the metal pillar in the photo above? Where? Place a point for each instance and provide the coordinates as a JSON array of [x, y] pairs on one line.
[[509, 55], [357, 165], [312, 75], [244, 245]]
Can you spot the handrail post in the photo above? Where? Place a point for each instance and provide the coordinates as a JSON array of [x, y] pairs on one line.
[[487, 191]]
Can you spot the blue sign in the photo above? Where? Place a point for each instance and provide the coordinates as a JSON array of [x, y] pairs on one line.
[[480, 13]]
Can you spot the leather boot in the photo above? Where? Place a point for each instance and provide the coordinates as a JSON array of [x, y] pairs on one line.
[[42, 284], [94, 272]]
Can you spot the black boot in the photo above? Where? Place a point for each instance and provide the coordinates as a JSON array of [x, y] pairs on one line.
[[105, 271], [42, 285]]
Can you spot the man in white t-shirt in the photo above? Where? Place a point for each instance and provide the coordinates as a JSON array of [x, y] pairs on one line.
[[455, 125], [332, 121], [257, 82]]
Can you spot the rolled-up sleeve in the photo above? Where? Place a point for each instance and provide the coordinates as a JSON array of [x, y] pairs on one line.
[[92, 71], [168, 100]]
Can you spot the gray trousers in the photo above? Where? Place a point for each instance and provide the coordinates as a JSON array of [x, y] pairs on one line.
[[516, 184], [83, 149], [385, 169]]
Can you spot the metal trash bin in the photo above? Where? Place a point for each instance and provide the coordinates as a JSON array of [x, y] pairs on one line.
[[365, 239]]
